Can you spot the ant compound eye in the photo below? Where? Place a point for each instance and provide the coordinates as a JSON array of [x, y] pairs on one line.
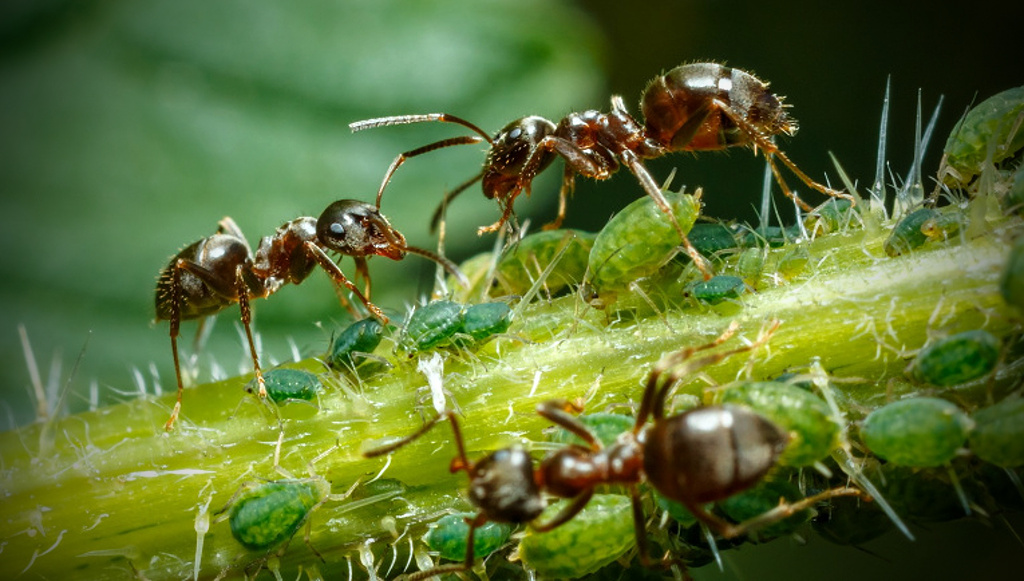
[[515, 133]]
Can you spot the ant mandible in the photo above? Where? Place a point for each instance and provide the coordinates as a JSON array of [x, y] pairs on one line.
[[220, 270], [693, 107], [699, 456]]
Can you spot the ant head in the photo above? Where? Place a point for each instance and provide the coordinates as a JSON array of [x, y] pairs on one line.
[[354, 228], [510, 151], [502, 485]]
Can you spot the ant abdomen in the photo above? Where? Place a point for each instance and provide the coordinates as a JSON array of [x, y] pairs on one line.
[[710, 453], [219, 255], [694, 107]]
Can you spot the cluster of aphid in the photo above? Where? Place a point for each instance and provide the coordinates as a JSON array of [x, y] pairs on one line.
[[720, 452]]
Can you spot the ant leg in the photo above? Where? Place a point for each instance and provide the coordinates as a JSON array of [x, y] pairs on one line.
[[448, 197], [388, 448], [400, 159], [556, 412], [640, 531], [568, 187], [228, 226], [635, 165], [339, 278], [243, 305], [572, 509], [770, 149], [784, 510], [465, 565], [362, 271], [175, 323], [506, 213]]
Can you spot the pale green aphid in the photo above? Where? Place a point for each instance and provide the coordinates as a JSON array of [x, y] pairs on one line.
[[525, 260], [998, 434], [917, 432], [482, 320], [750, 264], [363, 336], [802, 414], [639, 240], [601, 533], [718, 288], [956, 359], [986, 127], [1011, 283], [761, 499], [448, 536], [432, 324]]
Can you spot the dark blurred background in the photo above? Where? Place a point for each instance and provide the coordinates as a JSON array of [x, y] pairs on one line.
[[127, 130]]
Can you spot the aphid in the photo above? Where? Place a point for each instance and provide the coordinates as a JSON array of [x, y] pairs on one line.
[[750, 265], [918, 432], [996, 120], [1011, 282], [771, 236], [793, 262], [449, 536], [762, 498], [713, 238], [524, 261], [696, 457], [483, 320], [285, 384], [693, 107], [907, 234], [717, 289], [432, 324], [637, 241], [265, 517], [220, 270], [362, 336], [804, 416], [599, 533], [832, 216], [956, 359], [998, 434]]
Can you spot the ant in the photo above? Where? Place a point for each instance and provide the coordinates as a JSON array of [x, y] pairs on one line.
[[699, 456], [217, 271], [693, 107]]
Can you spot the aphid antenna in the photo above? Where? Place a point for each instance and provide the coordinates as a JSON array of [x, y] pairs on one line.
[[543, 277], [877, 189], [844, 455]]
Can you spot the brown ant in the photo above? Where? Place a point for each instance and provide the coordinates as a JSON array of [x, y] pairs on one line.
[[220, 270], [693, 107], [699, 456]]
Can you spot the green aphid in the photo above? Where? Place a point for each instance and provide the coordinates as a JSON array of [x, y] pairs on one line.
[[524, 261], [918, 432], [285, 384], [832, 216], [601, 533], [717, 289], [1011, 283], [713, 238], [944, 226], [363, 336], [762, 498], [639, 240], [432, 325], [802, 414], [605, 426], [907, 235], [485, 319], [449, 534], [750, 264], [998, 435], [268, 515], [987, 127], [1015, 197], [956, 359], [791, 264]]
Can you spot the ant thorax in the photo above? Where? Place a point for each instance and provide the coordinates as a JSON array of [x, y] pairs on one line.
[[282, 258]]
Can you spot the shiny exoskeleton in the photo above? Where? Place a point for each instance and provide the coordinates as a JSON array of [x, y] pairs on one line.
[[220, 270], [693, 107], [696, 457]]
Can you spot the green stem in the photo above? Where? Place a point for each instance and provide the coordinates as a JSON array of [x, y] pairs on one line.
[[98, 494]]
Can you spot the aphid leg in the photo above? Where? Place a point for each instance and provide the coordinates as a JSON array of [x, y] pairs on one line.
[[400, 159], [339, 278]]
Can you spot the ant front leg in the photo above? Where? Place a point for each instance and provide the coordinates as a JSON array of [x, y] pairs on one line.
[[340, 279]]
